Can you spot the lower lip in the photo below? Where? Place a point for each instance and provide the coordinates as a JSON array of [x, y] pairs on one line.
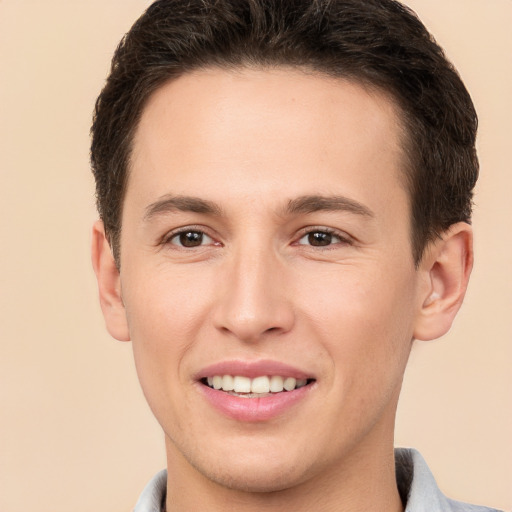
[[254, 409]]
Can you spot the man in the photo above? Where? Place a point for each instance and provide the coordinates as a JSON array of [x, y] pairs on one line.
[[285, 197]]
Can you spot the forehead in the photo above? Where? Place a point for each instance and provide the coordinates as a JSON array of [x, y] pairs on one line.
[[251, 131]]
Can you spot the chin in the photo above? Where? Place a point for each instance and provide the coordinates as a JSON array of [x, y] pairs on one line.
[[256, 479], [262, 469]]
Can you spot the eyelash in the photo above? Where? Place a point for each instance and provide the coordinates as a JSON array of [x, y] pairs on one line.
[[305, 232], [169, 237], [342, 237]]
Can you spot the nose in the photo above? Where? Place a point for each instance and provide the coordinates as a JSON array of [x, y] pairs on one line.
[[254, 299]]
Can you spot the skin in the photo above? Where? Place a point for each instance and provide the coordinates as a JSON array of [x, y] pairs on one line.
[[252, 143]]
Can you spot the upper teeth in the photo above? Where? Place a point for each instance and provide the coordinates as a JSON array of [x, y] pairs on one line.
[[263, 384]]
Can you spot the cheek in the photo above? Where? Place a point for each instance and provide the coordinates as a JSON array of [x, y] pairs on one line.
[[164, 312], [365, 319], [164, 315], [163, 302]]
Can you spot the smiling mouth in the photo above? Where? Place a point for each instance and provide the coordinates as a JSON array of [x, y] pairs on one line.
[[258, 387]]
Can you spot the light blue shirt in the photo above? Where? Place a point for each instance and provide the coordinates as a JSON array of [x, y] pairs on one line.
[[415, 481]]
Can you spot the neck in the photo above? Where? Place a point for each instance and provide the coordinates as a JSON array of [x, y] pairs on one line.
[[365, 480]]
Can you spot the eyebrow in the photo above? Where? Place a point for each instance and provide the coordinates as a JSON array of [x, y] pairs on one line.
[[300, 205], [170, 203], [315, 203]]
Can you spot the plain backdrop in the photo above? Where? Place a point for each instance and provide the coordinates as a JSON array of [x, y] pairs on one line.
[[75, 432]]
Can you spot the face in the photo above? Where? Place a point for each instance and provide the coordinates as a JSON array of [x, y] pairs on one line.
[[265, 243]]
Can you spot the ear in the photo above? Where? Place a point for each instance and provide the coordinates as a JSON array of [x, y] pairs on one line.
[[446, 265], [109, 284]]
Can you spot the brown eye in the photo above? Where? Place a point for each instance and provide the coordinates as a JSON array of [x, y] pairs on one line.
[[320, 239], [190, 239]]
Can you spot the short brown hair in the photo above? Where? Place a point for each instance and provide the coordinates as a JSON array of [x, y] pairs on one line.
[[380, 43]]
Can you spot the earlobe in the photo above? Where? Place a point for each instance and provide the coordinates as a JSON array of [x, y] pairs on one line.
[[109, 284], [446, 266]]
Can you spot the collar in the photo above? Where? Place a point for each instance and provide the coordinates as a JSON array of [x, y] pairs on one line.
[[416, 484]]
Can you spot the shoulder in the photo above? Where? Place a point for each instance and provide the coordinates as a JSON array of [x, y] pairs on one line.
[[459, 506], [419, 489], [153, 496]]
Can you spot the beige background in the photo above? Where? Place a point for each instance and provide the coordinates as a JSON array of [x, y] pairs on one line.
[[75, 433]]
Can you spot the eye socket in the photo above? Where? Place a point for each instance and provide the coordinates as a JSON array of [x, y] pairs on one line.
[[190, 238], [321, 238]]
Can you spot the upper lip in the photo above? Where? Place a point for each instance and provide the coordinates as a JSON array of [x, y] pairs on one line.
[[252, 369]]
